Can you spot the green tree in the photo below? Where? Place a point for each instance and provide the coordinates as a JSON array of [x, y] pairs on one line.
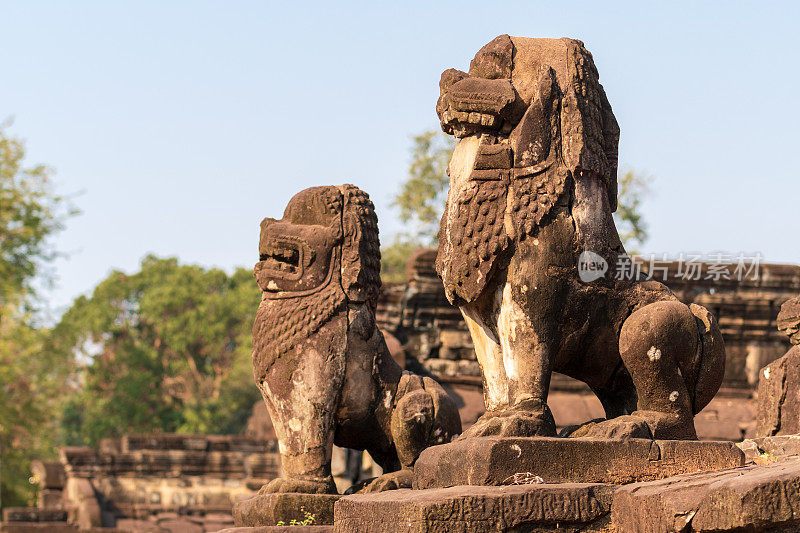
[[31, 383], [422, 196], [633, 188], [164, 349], [420, 202], [421, 199], [30, 213], [395, 256], [31, 387]]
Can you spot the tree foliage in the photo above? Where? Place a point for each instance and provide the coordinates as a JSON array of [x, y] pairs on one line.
[[32, 384], [31, 387], [166, 348], [30, 212], [421, 198], [394, 258], [420, 202], [633, 188]]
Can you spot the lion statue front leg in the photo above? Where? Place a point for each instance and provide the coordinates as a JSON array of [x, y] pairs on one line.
[[515, 383], [423, 415], [302, 410]]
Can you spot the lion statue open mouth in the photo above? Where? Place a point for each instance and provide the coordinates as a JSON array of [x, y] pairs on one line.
[[532, 187], [319, 359]]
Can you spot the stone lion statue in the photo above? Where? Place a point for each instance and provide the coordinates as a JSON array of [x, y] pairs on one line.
[[532, 189], [319, 359]]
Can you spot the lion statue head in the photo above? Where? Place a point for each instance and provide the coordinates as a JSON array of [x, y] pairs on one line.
[[530, 116], [322, 255]]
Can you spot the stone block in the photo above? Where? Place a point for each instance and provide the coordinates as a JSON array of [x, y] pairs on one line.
[[79, 460], [496, 460], [33, 514], [753, 498], [188, 442], [50, 474], [219, 517], [50, 499], [539, 507], [269, 509], [779, 396], [449, 369], [85, 509], [750, 449], [779, 446], [20, 514], [110, 446], [262, 465], [37, 527]]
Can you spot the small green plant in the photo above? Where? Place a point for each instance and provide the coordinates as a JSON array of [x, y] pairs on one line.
[[309, 520]]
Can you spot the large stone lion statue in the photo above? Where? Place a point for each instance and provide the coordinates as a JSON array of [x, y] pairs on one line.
[[532, 189], [319, 359]]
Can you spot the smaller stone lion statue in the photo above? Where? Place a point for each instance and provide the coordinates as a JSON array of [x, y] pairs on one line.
[[319, 359]]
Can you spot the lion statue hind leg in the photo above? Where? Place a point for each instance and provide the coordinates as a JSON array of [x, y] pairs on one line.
[[658, 343], [710, 369]]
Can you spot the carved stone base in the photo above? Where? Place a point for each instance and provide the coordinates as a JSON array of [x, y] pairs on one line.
[[502, 460], [564, 508], [270, 509], [754, 498], [751, 498]]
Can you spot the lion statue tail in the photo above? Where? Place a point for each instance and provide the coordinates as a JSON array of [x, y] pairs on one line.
[[709, 362]]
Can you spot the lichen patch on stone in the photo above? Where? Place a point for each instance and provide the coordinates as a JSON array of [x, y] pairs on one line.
[[654, 353]]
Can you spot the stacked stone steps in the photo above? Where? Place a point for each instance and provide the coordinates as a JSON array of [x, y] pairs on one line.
[[753, 497], [587, 485]]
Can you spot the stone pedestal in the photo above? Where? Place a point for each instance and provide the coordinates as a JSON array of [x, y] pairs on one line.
[[504, 460], [564, 508], [744, 498], [270, 509]]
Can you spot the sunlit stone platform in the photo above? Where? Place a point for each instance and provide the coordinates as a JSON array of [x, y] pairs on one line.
[[496, 460]]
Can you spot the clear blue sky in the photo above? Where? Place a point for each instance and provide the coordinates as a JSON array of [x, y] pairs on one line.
[[183, 124]]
